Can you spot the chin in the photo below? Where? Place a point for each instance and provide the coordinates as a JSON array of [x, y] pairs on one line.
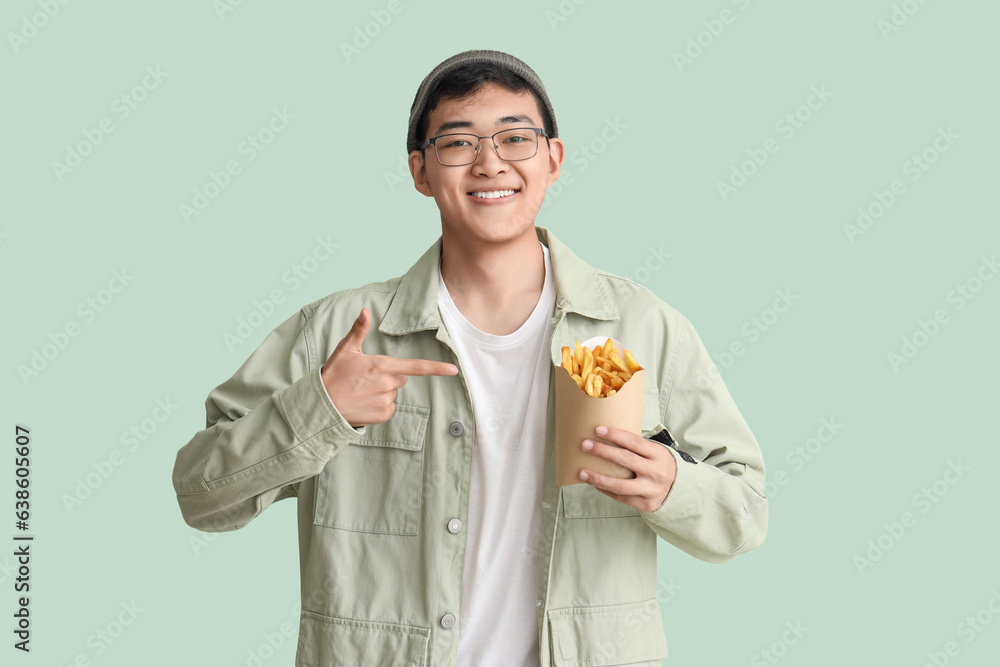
[[494, 231]]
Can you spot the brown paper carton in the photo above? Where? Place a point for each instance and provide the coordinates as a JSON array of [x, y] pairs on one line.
[[578, 414]]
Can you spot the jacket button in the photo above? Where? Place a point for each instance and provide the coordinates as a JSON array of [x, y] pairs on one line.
[[456, 429], [455, 525], [447, 621]]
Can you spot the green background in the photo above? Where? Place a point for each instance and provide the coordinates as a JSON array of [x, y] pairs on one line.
[[332, 172]]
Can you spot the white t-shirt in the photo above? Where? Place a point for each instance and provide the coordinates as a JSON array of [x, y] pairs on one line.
[[508, 378]]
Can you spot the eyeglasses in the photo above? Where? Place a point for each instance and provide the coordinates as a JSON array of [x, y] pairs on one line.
[[456, 150]]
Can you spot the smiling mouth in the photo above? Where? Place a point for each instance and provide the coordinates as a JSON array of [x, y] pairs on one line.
[[492, 194]]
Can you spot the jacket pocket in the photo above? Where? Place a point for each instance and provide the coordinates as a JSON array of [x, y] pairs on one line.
[[375, 485], [624, 634], [582, 501], [325, 641]]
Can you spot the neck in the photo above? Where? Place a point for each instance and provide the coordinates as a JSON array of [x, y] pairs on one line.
[[496, 282]]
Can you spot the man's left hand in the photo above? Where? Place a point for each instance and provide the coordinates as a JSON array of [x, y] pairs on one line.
[[652, 466]]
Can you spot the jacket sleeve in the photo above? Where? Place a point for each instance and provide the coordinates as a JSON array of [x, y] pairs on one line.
[[716, 507], [268, 427]]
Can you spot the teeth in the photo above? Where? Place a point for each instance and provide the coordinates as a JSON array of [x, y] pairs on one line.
[[493, 194]]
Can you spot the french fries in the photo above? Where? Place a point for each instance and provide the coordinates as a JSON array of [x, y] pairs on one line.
[[601, 371]]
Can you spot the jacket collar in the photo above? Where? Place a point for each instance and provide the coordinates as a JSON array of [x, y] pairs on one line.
[[579, 289]]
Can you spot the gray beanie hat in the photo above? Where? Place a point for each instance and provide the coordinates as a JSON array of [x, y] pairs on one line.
[[504, 60]]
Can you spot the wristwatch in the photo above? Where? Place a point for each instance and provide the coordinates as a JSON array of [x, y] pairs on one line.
[[664, 438]]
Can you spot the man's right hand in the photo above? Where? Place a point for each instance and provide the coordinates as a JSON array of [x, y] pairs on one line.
[[363, 386]]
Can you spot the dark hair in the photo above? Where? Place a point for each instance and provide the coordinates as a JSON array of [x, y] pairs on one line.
[[466, 81]]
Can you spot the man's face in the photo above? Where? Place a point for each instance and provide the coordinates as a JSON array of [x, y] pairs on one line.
[[465, 214]]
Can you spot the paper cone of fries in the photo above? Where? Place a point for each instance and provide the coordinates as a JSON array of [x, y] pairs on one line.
[[578, 414]]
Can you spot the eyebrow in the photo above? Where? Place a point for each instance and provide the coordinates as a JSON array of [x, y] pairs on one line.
[[464, 124]]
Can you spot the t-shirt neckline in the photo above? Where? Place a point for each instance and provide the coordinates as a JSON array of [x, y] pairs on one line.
[[539, 314]]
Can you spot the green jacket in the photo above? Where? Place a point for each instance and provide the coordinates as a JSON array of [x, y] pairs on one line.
[[381, 554]]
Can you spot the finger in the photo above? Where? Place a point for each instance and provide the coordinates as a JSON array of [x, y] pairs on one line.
[[623, 457], [397, 381], [627, 439], [623, 487], [352, 341], [417, 367]]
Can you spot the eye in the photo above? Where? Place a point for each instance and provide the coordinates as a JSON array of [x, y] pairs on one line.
[[456, 142], [520, 137]]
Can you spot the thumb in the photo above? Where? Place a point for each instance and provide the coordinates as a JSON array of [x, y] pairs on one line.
[[352, 341]]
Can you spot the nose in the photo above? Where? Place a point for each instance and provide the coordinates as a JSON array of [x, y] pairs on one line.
[[488, 158]]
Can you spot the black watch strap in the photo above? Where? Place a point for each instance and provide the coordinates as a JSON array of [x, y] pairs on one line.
[[664, 438]]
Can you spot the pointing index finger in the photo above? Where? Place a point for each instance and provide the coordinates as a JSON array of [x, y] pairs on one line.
[[418, 367]]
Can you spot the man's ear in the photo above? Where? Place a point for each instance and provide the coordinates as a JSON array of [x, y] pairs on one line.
[[419, 173], [556, 154]]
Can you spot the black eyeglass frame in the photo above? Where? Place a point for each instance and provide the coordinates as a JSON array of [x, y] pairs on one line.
[[479, 145]]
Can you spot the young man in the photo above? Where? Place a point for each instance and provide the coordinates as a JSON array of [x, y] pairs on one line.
[[420, 444]]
